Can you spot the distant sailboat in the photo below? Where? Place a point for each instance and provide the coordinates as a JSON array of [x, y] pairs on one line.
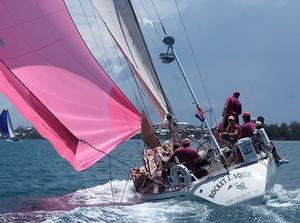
[[48, 73], [6, 126]]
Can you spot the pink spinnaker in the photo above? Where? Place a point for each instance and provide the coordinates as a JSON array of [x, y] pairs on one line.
[[49, 75]]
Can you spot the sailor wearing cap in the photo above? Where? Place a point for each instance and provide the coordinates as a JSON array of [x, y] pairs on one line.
[[248, 128]]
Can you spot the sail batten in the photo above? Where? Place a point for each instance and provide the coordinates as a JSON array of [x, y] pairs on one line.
[[52, 79]]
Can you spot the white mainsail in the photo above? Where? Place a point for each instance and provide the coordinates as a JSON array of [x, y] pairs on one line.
[[122, 25], [10, 126]]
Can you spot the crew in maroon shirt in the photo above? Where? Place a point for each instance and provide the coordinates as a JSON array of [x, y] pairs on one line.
[[232, 132], [232, 107], [186, 155], [248, 128]]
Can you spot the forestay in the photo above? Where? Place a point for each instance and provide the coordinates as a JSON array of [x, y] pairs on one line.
[[49, 75], [123, 27]]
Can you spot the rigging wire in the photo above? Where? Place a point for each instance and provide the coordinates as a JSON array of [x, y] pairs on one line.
[[81, 140], [93, 35], [194, 57], [128, 178], [140, 104], [134, 89], [98, 29], [87, 143], [138, 96], [190, 46], [110, 181], [102, 41], [159, 19], [109, 66], [114, 46], [148, 14], [154, 82], [105, 153], [110, 171], [104, 62], [154, 43]]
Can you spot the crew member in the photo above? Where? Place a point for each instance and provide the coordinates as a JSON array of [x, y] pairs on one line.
[[232, 132], [232, 107], [248, 128], [189, 157]]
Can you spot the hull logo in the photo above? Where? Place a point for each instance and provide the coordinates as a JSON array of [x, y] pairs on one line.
[[241, 186], [229, 179]]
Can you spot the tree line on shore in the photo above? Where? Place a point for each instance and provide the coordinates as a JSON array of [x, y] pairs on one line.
[[283, 131]]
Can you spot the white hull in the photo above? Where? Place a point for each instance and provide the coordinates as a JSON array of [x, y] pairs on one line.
[[252, 184]]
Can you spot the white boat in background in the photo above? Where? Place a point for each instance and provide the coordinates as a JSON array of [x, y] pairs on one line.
[[55, 82]]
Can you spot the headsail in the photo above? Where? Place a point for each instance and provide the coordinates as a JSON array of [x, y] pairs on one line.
[[52, 79], [122, 25]]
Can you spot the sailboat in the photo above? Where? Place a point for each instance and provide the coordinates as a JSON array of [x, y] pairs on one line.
[[6, 126], [50, 76]]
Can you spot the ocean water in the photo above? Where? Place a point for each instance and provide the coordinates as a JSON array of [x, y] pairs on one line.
[[36, 185]]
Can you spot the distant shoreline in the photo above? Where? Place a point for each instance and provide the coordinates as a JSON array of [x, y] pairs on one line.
[[276, 132]]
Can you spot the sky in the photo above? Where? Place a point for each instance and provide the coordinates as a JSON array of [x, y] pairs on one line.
[[252, 46]]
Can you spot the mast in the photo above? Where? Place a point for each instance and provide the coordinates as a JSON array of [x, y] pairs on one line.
[[170, 116], [169, 40]]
